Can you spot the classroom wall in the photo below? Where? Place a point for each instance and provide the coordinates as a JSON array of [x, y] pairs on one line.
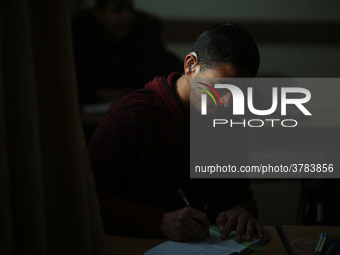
[[279, 59], [301, 10], [280, 201]]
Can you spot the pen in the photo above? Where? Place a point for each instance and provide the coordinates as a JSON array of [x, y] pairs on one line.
[[184, 198], [323, 242], [319, 242]]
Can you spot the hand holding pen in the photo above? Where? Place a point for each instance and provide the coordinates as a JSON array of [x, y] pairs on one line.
[[184, 198], [185, 224]]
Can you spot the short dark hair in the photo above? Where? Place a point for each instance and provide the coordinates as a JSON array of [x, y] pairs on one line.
[[227, 43]]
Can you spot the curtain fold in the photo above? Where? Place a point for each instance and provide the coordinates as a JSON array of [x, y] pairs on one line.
[[48, 203]]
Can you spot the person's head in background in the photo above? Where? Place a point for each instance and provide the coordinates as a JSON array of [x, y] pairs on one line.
[[224, 51], [116, 16]]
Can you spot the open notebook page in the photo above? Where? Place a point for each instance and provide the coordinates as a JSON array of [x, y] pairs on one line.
[[212, 245]]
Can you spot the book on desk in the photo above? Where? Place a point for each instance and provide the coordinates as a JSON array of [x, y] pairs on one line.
[[212, 245]]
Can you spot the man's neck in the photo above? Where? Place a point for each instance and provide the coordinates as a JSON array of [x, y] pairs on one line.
[[183, 90]]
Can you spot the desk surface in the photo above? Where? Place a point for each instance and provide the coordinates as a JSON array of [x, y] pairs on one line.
[[274, 246], [303, 239], [129, 245]]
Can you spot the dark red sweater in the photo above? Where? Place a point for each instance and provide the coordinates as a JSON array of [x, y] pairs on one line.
[[140, 157]]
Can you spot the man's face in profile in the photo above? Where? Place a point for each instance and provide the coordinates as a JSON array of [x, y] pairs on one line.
[[210, 77], [117, 17]]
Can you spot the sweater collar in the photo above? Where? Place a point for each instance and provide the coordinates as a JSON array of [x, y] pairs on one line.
[[166, 88]]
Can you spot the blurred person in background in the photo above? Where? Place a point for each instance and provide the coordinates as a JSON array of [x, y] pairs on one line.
[[116, 46]]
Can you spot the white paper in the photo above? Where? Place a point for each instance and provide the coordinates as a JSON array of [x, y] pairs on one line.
[[212, 245]]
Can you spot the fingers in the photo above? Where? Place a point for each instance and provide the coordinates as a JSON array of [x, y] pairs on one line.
[[251, 226], [199, 216], [259, 229], [230, 224], [199, 222], [194, 230], [221, 220], [242, 221], [185, 224], [250, 230]]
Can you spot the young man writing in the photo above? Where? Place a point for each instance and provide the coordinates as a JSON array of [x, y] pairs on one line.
[[140, 152]]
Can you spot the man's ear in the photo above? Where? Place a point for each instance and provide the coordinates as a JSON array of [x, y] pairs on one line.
[[191, 66]]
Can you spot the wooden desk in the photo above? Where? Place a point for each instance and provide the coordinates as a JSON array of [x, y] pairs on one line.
[[275, 245], [303, 239], [130, 246]]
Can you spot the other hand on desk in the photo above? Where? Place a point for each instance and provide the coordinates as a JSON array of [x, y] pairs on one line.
[[240, 219]]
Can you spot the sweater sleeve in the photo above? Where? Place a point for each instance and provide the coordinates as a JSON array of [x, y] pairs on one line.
[[111, 155]]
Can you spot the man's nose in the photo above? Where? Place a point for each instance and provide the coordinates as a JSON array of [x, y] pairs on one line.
[[226, 99]]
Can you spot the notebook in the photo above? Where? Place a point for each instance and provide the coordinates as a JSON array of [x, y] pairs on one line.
[[212, 245]]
